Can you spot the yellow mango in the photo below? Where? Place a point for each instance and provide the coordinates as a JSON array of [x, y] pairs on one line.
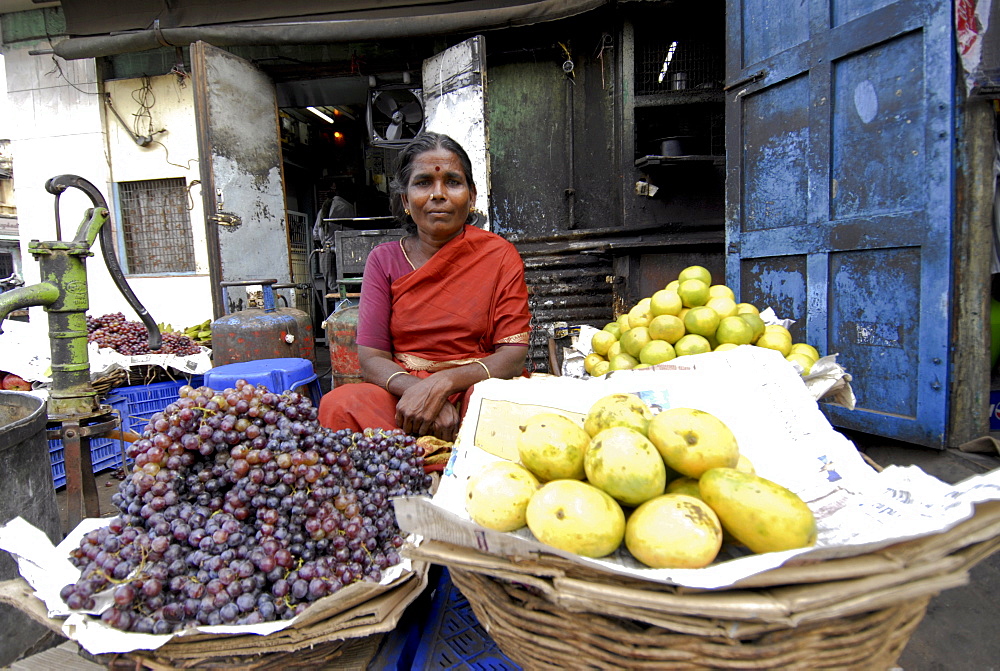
[[674, 531], [759, 513]]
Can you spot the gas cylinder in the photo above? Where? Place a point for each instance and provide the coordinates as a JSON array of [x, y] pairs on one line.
[[305, 321], [342, 338], [271, 333]]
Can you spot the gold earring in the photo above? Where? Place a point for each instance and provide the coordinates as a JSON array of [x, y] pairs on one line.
[[473, 210], [406, 211]]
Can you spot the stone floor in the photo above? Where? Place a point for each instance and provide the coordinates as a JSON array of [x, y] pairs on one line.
[[959, 631]]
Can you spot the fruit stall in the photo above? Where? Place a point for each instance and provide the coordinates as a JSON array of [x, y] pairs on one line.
[[675, 499], [704, 515]]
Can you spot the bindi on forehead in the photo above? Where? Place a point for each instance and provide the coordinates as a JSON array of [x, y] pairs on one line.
[[437, 168]]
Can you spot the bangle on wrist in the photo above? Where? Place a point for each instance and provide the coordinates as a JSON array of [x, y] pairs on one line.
[[389, 379], [488, 376]]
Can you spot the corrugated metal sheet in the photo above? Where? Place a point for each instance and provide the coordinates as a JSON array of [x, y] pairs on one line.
[[566, 288], [577, 277]]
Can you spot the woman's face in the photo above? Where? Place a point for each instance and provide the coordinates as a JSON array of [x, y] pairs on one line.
[[438, 195]]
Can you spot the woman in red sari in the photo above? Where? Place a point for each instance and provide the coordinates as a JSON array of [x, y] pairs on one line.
[[440, 310]]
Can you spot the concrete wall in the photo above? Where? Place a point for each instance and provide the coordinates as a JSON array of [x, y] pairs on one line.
[[58, 126], [55, 128], [180, 300]]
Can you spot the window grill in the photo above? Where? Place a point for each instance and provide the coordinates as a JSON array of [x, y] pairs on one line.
[[6, 265], [156, 224], [677, 64], [298, 232]]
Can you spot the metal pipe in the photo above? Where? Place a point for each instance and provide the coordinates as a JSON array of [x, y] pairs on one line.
[[323, 31], [92, 227], [571, 122], [44, 293]]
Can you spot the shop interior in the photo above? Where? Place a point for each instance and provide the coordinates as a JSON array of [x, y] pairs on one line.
[[340, 137]]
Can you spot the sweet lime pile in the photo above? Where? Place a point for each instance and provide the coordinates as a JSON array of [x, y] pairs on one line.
[[689, 316]]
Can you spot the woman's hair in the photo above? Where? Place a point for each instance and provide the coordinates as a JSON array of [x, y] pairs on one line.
[[426, 141]]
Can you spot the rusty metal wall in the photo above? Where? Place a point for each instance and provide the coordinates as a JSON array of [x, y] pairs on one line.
[[566, 288], [592, 276], [551, 101]]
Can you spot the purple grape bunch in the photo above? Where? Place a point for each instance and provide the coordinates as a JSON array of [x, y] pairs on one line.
[[131, 339], [242, 509]]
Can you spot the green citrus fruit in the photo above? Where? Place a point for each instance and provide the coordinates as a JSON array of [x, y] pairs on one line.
[[665, 302], [755, 322], [701, 320], [734, 330], [724, 306], [808, 350], [693, 293], [640, 315], [695, 273], [656, 351], [692, 344], [666, 327], [592, 360], [803, 360], [622, 362], [721, 291], [776, 341], [633, 341], [602, 341]]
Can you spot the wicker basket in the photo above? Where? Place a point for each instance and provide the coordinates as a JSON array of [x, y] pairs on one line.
[[327, 635], [850, 613]]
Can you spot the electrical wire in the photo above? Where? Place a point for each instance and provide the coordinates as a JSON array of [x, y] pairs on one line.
[[190, 186], [167, 157], [145, 98], [58, 68]]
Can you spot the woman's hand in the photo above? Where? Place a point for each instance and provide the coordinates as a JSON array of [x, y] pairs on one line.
[[446, 425], [423, 409]]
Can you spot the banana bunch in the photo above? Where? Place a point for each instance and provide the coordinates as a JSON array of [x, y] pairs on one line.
[[200, 333]]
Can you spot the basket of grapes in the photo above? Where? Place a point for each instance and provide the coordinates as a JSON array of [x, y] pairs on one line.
[[119, 344], [244, 529]]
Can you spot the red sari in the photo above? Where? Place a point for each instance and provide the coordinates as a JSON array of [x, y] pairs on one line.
[[457, 308]]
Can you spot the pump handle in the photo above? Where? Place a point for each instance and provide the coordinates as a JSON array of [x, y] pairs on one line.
[[56, 186]]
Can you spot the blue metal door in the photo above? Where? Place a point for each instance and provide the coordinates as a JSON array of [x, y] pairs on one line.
[[840, 185]]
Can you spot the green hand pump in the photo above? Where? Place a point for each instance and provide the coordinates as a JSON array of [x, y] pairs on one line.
[[63, 293]]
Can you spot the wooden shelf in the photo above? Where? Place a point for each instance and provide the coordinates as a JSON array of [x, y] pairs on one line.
[[685, 97], [662, 161]]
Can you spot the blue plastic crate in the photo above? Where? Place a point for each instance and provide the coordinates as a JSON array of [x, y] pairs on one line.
[[453, 637], [278, 375], [105, 452], [144, 401]]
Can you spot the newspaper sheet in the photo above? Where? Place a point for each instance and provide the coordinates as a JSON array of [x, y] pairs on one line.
[[29, 356], [778, 426], [47, 569]]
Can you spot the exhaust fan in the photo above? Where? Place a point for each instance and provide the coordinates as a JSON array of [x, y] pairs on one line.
[[395, 115]]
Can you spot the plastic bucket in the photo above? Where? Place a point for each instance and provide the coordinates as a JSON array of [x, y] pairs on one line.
[[27, 481]]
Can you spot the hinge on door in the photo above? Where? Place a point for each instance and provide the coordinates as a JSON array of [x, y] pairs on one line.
[[225, 219]]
